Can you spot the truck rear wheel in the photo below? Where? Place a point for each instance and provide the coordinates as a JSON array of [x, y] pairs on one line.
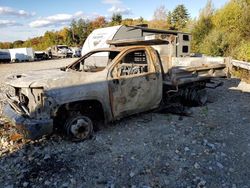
[[79, 127], [194, 97]]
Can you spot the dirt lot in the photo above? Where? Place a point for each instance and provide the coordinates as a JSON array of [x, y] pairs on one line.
[[211, 148]]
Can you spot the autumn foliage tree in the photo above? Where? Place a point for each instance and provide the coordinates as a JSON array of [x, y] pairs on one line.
[[202, 26], [99, 22], [224, 32]]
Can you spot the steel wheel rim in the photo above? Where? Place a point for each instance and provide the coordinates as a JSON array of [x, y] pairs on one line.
[[80, 127]]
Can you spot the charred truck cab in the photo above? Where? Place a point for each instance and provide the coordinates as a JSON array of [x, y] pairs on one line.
[[104, 85]]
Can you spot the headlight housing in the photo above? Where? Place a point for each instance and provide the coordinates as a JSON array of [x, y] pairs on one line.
[[29, 100]]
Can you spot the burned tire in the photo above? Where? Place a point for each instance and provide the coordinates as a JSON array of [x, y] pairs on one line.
[[78, 127], [194, 97]]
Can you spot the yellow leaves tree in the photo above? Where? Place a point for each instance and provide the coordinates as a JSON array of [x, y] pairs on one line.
[[64, 33], [226, 32]]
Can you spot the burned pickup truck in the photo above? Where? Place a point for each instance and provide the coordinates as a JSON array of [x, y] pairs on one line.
[[103, 86]]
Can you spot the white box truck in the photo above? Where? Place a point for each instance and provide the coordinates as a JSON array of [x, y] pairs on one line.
[[21, 54]]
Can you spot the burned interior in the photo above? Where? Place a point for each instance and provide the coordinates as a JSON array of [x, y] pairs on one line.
[[134, 62]]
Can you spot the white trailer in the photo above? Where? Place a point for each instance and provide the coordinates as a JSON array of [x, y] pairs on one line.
[[21, 54], [98, 38]]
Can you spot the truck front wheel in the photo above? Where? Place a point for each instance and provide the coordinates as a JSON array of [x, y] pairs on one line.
[[78, 127]]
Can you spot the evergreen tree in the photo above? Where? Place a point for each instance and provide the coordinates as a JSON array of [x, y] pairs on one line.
[[180, 17], [169, 18], [116, 19]]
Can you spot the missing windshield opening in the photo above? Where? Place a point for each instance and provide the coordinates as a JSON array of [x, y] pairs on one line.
[[95, 61]]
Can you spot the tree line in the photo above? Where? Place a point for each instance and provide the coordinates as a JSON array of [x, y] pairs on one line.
[[221, 32]]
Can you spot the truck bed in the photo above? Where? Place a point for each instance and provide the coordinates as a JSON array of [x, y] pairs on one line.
[[179, 75]]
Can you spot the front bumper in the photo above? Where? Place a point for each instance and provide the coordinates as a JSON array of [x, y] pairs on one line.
[[30, 128]]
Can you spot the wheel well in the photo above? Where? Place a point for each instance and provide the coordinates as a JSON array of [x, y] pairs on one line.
[[91, 108]]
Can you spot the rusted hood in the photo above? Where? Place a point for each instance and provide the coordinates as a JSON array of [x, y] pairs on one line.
[[47, 79]]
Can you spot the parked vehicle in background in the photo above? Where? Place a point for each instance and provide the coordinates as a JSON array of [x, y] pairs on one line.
[[76, 51], [41, 55], [21, 54], [59, 51], [4, 55]]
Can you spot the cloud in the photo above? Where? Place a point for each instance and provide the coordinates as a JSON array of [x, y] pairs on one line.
[[112, 2], [117, 7], [55, 20], [7, 23], [120, 10], [12, 12]]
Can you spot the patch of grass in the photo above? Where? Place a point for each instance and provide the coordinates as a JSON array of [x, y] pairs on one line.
[[205, 111]]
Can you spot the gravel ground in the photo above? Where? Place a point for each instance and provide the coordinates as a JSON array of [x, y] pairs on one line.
[[211, 148]]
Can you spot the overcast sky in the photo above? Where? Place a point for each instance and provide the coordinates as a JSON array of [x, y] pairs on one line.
[[23, 19]]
